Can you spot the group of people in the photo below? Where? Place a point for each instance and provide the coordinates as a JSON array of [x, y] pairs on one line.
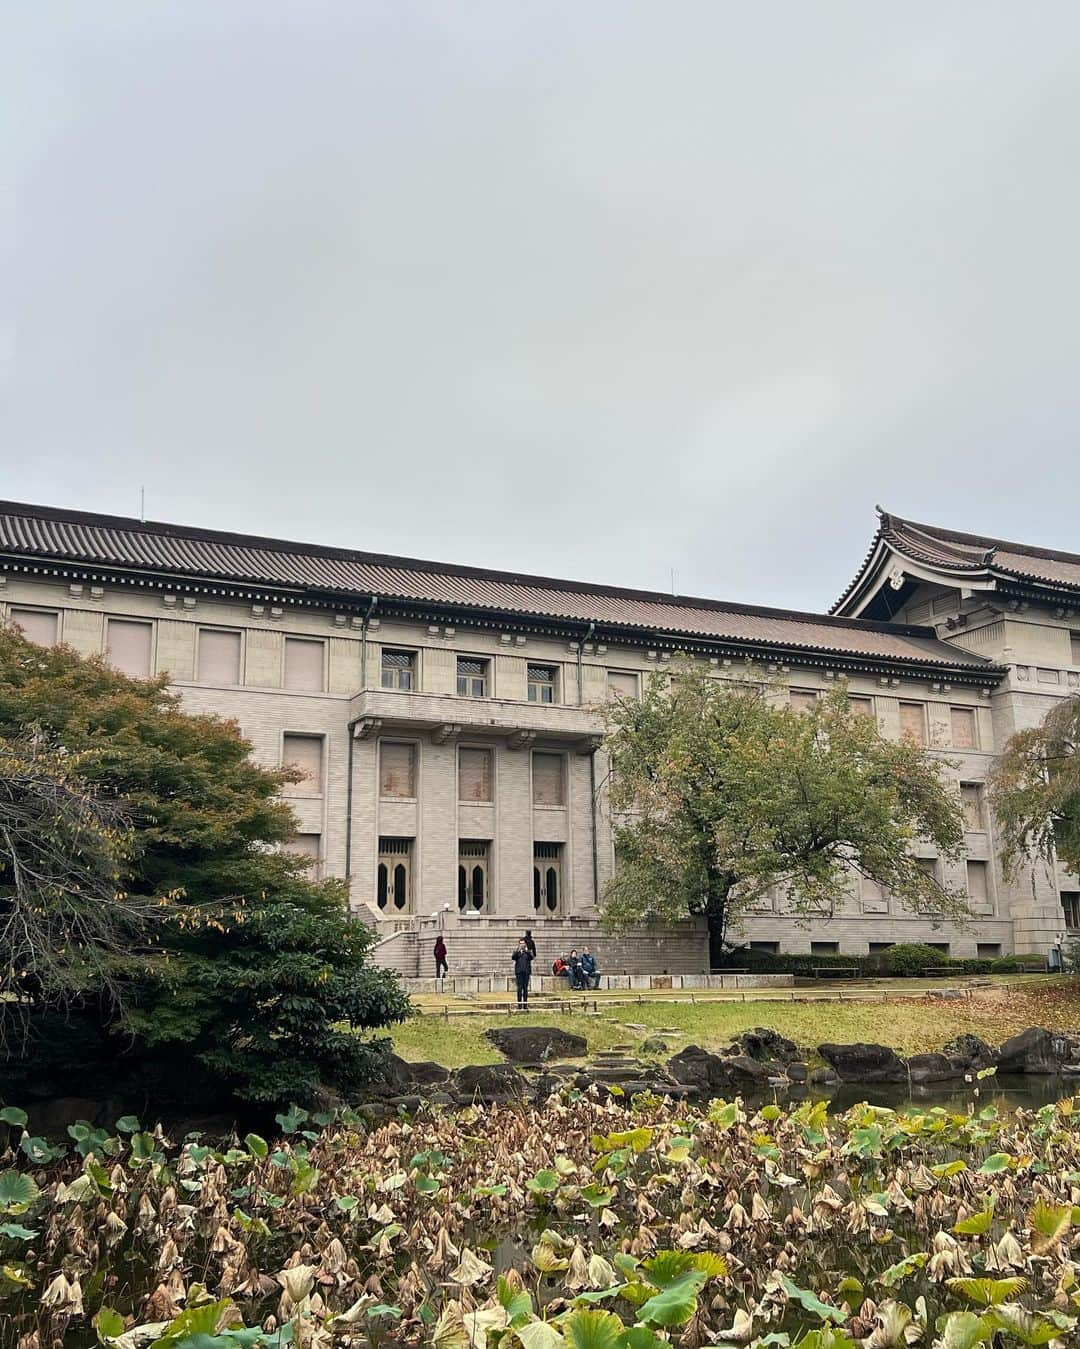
[[579, 971]]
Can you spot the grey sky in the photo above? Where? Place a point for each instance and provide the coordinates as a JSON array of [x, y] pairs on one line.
[[589, 289]]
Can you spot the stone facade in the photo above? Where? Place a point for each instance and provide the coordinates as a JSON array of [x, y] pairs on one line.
[[452, 749]]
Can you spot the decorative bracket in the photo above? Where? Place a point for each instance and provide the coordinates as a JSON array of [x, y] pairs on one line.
[[520, 739], [447, 731], [366, 727]]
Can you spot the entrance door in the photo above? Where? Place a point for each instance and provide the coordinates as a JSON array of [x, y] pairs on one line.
[[547, 879]]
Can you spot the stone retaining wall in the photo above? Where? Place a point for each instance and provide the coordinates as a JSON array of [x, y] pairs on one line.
[[633, 983]]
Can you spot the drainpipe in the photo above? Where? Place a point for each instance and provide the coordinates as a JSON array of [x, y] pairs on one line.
[[580, 676], [351, 732], [592, 767]]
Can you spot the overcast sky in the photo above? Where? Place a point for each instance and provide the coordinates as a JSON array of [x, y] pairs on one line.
[[589, 289]]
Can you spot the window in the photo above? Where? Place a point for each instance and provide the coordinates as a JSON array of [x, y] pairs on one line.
[[306, 845], [876, 947], [304, 752], [988, 950], [219, 657], [39, 626], [913, 722], [773, 947], [547, 779], [802, 700], [305, 664], [1070, 907], [473, 889], [393, 878], [398, 670], [971, 803], [127, 646], [978, 887], [622, 684], [942, 946], [541, 683], [824, 948], [474, 775], [874, 899], [963, 727], [863, 707], [1074, 643], [471, 677], [547, 877], [397, 770], [928, 866]]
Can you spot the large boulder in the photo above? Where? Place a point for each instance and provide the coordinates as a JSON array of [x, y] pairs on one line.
[[706, 1073], [536, 1044], [488, 1082], [767, 1046], [974, 1052], [426, 1074], [1037, 1050], [864, 1063], [935, 1068]]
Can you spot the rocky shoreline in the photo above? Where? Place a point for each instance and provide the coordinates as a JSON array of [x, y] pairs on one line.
[[758, 1061]]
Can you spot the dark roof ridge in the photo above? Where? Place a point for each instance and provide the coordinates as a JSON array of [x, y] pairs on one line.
[[152, 527], [984, 541]]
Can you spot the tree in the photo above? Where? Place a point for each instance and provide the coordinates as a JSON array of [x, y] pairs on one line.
[[254, 973], [1035, 789], [727, 793], [67, 927]]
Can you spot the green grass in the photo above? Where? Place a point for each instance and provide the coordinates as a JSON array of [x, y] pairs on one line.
[[908, 1026]]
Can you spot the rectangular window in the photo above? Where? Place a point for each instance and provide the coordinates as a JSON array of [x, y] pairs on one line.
[[219, 657], [40, 626], [474, 775], [874, 899], [942, 946], [824, 948], [928, 866], [549, 787], [547, 878], [474, 890], [393, 877], [398, 670], [913, 723], [1074, 643], [963, 727], [1070, 907], [305, 753], [309, 846], [623, 684], [472, 677], [128, 645], [876, 947], [978, 887], [772, 947], [971, 803], [541, 683], [803, 700], [864, 707], [988, 950], [305, 663], [397, 770]]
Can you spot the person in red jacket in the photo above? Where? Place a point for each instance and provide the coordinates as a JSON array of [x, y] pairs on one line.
[[441, 967]]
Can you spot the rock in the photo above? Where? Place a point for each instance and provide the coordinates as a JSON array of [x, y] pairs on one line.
[[1037, 1050], [705, 1073], [974, 1052], [536, 1044], [797, 1072], [864, 1063], [767, 1045], [427, 1074], [488, 1082], [654, 1045], [946, 994], [935, 1068], [824, 1077]]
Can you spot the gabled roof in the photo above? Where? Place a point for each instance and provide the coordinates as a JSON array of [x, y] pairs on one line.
[[976, 557], [164, 554]]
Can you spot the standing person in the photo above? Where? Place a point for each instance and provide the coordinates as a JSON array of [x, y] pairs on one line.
[[522, 971], [588, 969], [441, 967], [528, 940]]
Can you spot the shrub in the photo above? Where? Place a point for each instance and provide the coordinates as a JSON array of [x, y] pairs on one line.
[[907, 960], [1007, 965]]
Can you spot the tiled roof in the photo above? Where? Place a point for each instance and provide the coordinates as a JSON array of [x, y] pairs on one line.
[[973, 552], [165, 550]]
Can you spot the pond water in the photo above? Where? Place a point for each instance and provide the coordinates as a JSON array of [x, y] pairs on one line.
[[1027, 1092]]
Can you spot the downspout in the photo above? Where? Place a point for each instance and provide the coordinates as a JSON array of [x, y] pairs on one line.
[[592, 768], [580, 675], [351, 731]]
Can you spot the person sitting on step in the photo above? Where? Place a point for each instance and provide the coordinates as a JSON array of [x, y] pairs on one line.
[[589, 972]]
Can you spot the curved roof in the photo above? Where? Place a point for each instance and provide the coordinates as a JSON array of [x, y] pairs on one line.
[[969, 555], [157, 550]]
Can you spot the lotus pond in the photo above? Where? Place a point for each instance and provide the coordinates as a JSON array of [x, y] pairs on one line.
[[576, 1223]]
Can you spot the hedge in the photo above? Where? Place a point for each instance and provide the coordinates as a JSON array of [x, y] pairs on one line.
[[903, 961]]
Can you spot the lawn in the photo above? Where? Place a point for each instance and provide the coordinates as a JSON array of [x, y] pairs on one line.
[[909, 1026]]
